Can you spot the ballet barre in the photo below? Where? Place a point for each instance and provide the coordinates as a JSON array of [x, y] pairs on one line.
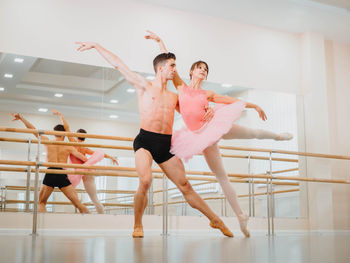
[[105, 146], [269, 177]]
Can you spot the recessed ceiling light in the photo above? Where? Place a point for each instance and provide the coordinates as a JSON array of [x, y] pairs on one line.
[[42, 109], [150, 77], [113, 101], [19, 60], [113, 116], [9, 76], [2, 89], [226, 85], [59, 95], [131, 90]]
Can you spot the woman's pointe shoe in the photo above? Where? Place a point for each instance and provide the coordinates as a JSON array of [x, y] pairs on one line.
[[221, 226], [285, 136], [243, 222]]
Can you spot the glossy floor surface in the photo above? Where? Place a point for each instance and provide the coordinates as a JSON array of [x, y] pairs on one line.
[[177, 247]]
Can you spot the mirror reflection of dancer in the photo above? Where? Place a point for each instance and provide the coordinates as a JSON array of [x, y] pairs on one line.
[[88, 180], [200, 136], [156, 108], [56, 154]]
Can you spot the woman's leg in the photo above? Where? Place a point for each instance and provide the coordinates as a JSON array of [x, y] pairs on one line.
[[90, 188], [213, 158], [241, 132]]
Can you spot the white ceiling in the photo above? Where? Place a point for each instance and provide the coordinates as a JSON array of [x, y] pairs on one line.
[[87, 90], [329, 17]]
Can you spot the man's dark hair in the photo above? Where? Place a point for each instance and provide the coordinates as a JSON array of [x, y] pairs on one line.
[[81, 131], [161, 59], [196, 65], [59, 127]]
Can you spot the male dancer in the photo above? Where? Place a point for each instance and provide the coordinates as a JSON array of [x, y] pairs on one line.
[[156, 108], [56, 154], [88, 180]]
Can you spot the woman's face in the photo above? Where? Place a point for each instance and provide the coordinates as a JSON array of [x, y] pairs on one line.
[[200, 72]]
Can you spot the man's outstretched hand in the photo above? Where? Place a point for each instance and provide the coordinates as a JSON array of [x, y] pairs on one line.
[[16, 116]]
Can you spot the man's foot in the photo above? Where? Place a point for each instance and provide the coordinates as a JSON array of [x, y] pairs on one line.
[[243, 222], [221, 226], [138, 232], [83, 209], [284, 136]]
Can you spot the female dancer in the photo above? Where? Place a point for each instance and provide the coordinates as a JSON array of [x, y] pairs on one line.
[[200, 136], [88, 180]]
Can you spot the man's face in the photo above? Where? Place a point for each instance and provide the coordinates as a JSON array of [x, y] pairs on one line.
[[169, 69]]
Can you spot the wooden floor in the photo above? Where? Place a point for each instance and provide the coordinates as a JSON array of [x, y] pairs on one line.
[[177, 247]]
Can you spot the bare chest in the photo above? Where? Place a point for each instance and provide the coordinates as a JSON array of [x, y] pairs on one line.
[[158, 100]]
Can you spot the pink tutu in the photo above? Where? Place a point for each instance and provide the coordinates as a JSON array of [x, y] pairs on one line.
[[94, 158], [186, 143]]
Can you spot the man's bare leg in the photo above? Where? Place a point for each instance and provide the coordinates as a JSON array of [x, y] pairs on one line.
[[90, 188], [72, 195], [44, 194], [175, 171], [143, 164]]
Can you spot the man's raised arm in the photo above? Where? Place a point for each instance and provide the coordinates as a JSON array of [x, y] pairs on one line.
[[178, 82], [17, 116], [133, 78]]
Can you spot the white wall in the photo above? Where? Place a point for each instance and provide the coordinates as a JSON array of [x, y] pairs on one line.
[[338, 99]]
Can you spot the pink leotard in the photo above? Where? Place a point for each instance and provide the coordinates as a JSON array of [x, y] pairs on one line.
[[198, 134], [94, 158]]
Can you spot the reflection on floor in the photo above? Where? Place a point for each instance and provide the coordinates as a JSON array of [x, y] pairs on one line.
[[177, 247]]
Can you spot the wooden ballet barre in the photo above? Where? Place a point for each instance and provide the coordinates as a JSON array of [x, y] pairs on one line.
[[94, 145], [222, 197], [67, 203], [8, 209], [106, 173], [104, 146], [69, 134], [114, 168], [154, 192], [21, 188], [97, 136], [93, 167], [232, 181], [264, 193], [239, 196], [259, 157], [117, 197], [320, 155], [285, 171], [174, 188], [209, 180]]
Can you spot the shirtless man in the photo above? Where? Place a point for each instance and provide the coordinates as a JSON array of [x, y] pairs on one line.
[[88, 180], [156, 108], [56, 154]]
